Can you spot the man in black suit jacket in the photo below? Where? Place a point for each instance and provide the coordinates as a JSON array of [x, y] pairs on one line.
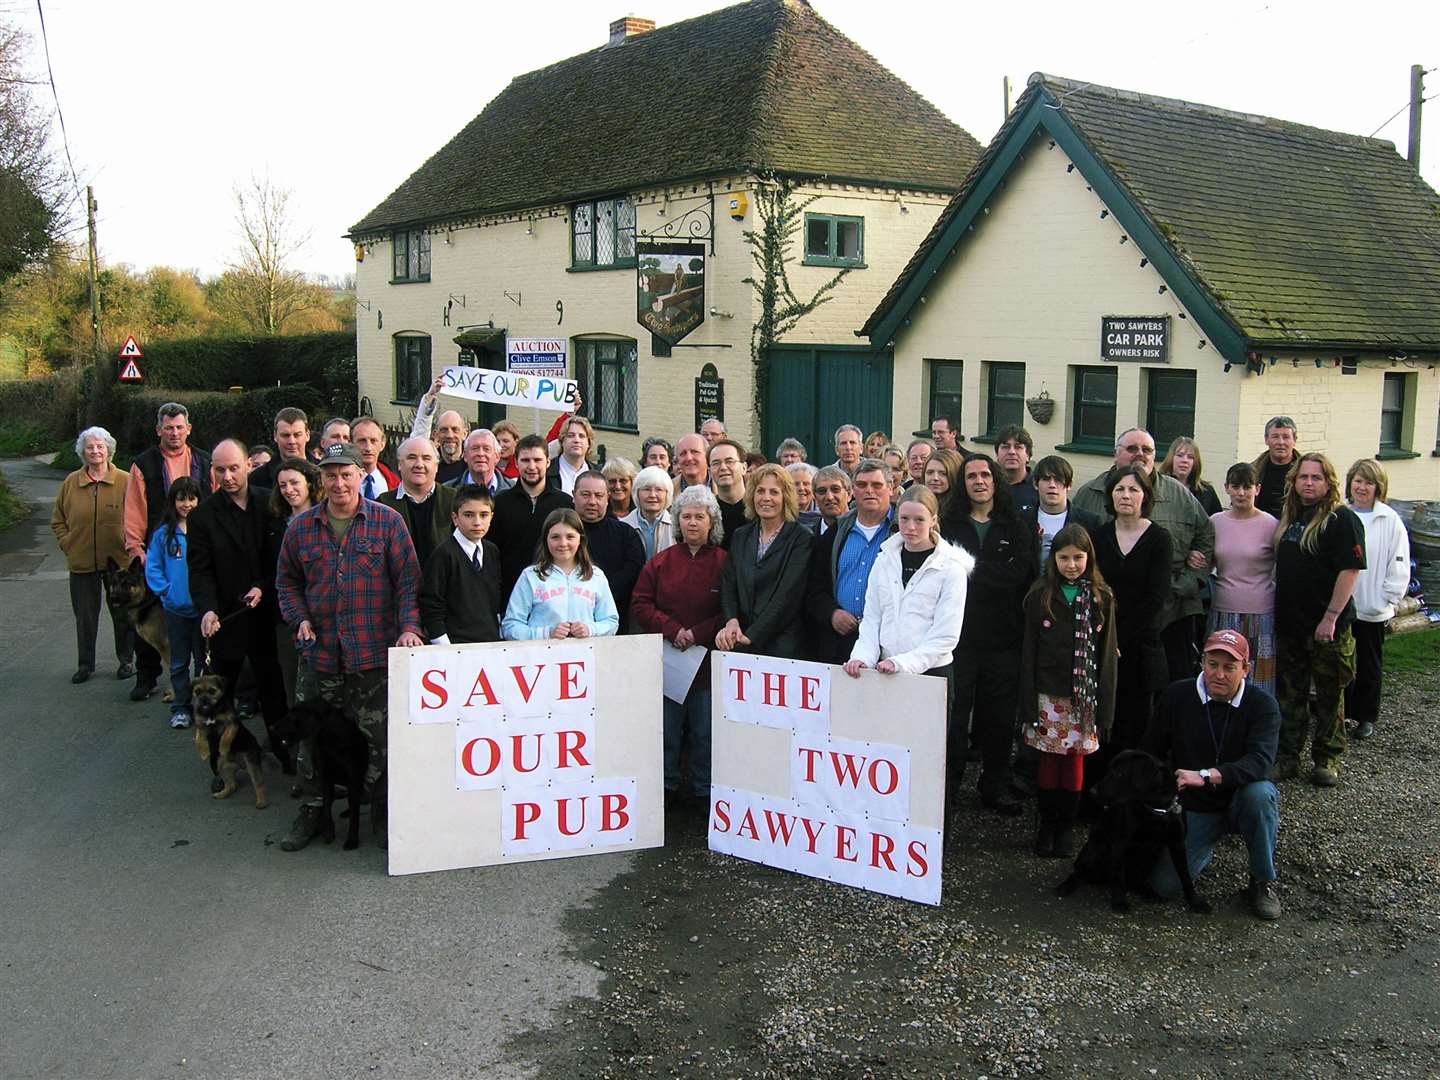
[[424, 504], [614, 546], [233, 583]]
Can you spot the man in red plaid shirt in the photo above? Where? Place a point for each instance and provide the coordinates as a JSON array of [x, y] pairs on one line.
[[347, 582]]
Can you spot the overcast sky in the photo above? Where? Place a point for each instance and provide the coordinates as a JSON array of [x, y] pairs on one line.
[[169, 105]]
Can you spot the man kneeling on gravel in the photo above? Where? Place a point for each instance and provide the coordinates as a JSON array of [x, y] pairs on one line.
[[1221, 736]]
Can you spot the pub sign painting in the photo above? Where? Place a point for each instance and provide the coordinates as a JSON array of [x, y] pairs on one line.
[[1135, 337], [670, 280]]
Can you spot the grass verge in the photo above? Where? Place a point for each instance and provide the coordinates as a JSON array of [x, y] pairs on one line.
[[1414, 653], [12, 507]]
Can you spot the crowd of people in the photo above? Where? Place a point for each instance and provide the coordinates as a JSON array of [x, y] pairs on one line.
[[1066, 622]]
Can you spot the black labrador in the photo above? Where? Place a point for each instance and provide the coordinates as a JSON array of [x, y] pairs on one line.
[[1140, 817], [341, 754]]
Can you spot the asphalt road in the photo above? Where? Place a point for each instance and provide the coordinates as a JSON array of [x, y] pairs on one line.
[[150, 931]]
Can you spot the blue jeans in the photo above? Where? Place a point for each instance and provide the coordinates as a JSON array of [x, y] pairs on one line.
[[186, 648], [1253, 815], [692, 717]]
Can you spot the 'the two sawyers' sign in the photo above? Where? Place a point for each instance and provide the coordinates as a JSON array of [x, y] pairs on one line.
[[1135, 337]]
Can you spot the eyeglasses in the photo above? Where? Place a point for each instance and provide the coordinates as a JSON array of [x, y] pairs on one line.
[[1137, 449]]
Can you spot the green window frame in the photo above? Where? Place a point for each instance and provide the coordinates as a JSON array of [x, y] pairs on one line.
[[944, 395], [1392, 411], [608, 371], [411, 257], [1170, 407], [412, 367], [1092, 418], [834, 240], [602, 234], [1004, 398]]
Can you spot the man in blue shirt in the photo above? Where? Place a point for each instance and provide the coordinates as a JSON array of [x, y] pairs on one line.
[[840, 569]]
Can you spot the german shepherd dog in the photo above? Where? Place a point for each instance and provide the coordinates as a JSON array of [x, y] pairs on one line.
[[342, 755], [1141, 818], [222, 740], [132, 604]]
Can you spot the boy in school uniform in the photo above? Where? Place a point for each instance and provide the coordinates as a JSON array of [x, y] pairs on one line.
[[461, 599]]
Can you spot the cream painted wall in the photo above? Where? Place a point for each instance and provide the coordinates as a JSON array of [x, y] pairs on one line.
[[1030, 286], [484, 262]]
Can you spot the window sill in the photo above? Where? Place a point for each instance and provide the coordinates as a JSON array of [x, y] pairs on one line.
[[1396, 455], [625, 265], [410, 281], [1097, 449], [842, 264], [617, 429]]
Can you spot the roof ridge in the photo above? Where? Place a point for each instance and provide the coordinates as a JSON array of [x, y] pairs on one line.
[[1067, 86]]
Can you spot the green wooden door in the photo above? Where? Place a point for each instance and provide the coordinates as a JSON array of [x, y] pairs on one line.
[[812, 390]]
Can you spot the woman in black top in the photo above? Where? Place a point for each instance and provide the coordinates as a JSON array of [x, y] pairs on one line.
[[1133, 554], [1183, 463], [297, 489], [762, 587], [980, 517]]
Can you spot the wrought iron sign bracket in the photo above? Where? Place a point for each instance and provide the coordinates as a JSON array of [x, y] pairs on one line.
[[696, 223]]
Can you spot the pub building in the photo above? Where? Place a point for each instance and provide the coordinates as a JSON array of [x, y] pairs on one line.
[[1118, 260]]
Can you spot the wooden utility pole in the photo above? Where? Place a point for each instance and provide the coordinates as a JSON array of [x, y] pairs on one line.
[[1417, 99], [100, 384]]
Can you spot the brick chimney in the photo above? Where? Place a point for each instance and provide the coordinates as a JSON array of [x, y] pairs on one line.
[[628, 27]]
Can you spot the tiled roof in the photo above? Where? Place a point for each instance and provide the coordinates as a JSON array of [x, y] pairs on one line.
[[762, 85], [1299, 236]]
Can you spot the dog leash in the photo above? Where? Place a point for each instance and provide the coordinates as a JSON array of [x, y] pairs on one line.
[[209, 665]]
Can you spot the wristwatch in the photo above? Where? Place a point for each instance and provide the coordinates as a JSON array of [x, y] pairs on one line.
[[1205, 776]]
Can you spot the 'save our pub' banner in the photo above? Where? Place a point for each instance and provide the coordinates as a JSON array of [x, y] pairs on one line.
[[513, 751], [828, 776], [510, 388]]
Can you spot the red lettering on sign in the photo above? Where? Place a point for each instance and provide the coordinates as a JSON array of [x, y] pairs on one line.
[[526, 689], [467, 756], [892, 774], [526, 813], [434, 686], [810, 754], [721, 820], [569, 746], [570, 680], [517, 752], [916, 852], [482, 687], [809, 693], [741, 674], [880, 848], [844, 838], [850, 771], [562, 810], [748, 822], [779, 826], [812, 834], [614, 815], [774, 685]]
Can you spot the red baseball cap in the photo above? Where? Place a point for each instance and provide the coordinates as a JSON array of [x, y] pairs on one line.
[[1228, 641]]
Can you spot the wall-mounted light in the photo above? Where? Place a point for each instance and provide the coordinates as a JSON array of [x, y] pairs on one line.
[[1202, 344], [1144, 263], [1124, 239], [1162, 289], [715, 311], [1228, 366], [1318, 363], [1104, 214]]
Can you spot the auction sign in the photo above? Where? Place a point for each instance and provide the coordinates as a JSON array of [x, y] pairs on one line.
[[1135, 337], [537, 356], [516, 751], [670, 288], [829, 776]]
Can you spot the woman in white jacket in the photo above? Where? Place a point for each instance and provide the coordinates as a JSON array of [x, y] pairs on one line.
[[915, 598], [1381, 585], [564, 594]]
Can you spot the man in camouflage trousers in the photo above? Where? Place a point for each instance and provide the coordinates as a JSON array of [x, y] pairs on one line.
[[348, 583]]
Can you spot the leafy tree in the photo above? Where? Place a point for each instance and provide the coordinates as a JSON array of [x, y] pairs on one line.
[[34, 190]]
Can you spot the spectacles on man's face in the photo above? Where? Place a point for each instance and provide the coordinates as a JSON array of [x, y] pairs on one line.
[[1135, 449]]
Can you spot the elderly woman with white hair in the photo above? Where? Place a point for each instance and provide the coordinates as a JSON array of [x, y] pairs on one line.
[[678, 596], [653, 492], [803, 473], [89, 523]]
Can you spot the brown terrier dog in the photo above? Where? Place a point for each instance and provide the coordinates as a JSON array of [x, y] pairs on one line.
[[222, 740]]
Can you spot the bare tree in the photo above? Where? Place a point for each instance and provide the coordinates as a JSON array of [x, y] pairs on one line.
[[261, 290], [35, 190]]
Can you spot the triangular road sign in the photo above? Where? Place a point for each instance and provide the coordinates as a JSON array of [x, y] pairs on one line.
[[130, 350], [131, 371]]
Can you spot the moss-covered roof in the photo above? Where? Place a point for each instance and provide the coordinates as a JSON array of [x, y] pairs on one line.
[[1298, 236], [764, 85]]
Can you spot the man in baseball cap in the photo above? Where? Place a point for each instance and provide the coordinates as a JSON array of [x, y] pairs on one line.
[[1221, 735]]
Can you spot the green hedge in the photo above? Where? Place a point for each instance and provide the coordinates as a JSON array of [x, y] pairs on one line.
[[218, 363], [214, 416], [36, 414]]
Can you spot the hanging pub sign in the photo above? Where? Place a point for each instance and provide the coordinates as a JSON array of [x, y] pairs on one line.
[[670, 288], [1135, 337], [709, 396]]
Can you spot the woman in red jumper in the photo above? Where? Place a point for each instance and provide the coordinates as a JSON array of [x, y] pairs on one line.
[[678, 596]]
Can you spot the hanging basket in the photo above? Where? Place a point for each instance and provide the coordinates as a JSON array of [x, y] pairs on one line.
[[1041, 407]]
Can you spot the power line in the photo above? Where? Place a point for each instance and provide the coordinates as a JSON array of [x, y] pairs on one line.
[[50, 70], [1397, 112]]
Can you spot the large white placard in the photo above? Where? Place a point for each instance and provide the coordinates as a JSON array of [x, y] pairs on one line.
[[515, 751], [852, 791], [552, 392]]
